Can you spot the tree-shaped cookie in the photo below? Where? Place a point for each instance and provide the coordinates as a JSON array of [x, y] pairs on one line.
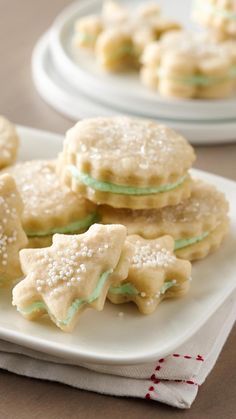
[[12, 236], [155, 273], [71, 275]]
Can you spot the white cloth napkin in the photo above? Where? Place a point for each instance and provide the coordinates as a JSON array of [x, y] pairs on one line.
[[173, 380]]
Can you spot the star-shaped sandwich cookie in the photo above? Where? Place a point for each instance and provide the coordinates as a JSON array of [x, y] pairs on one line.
[[71, 275], [12, 236], [155, 273]]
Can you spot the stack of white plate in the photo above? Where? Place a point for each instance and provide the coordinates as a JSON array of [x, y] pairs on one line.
[[77, 87]]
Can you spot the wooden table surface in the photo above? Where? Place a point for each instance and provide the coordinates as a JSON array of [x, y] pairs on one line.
[[21, 24]]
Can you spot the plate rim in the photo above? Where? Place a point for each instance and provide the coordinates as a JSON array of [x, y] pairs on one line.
[[70, 71]]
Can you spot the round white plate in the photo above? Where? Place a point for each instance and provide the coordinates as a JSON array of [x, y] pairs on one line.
[[105, 337], [124, 91], [70, 101]]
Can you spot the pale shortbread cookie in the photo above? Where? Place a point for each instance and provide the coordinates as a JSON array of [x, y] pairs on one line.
[[49, 207], [119, 34], [9, 142], [114, 50], [209, 244], [127, 162], [12, 236], [73, 274], [197, 224], [218, 16], [89, 27], [155, 273], [149, 25], [189, 65]]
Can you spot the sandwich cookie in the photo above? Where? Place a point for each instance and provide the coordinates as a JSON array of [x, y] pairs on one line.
[[73, 274], [49, 207], [189, 65], [127, 163], [198, 224], [155, 273]]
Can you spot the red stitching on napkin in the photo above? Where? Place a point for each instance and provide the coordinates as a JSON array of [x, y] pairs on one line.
[[200, 358], [197, 358], [155, 380]]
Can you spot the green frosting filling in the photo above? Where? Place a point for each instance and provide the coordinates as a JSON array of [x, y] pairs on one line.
[[167, 285], [179, 244], [69, 229], [36, 306], [86, 37], [129, 289], [201, 80], [40, 305], [120, 189]]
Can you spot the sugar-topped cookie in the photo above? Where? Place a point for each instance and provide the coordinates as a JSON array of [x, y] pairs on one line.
[[119, 47], [12, 236], [189, 65], [9, 142], [115, 50], [119, 34], [127, 162], [197, 224], [155, 273], [218, 16], [149, 24], [73, 274], [49, 207]]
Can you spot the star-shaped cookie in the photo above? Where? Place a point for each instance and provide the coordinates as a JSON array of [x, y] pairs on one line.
[[155, 273], [12, 236], [73, 274]]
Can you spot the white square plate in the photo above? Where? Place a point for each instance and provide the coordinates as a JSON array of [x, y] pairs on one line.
[[106, 338]]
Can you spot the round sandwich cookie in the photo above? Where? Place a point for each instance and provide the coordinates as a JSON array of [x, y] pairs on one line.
[[218, 16], [197, 224], [127, 163], [119, 34], [88, 28], [189, 65], [115, 50], [49, 207], [155, 273], [9, 142]]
